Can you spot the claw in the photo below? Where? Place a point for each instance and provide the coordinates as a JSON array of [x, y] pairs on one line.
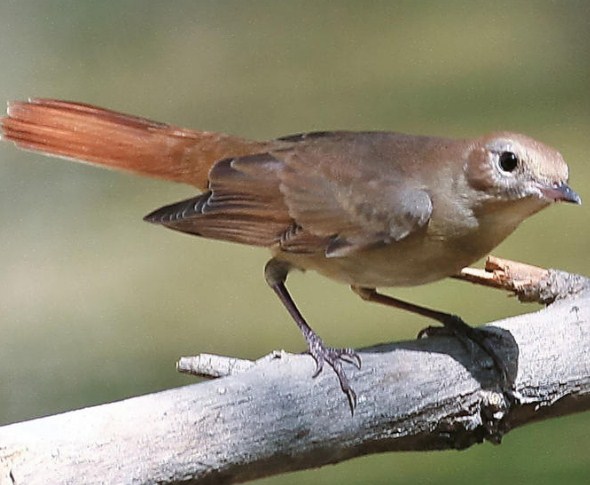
[[351, 357], [352, 401], [319, 365], [335, 357]]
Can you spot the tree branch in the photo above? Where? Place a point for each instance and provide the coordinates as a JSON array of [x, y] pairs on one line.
[[270, 416], [528, 283]]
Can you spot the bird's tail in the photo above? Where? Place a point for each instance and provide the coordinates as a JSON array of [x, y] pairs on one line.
[[99, 136]]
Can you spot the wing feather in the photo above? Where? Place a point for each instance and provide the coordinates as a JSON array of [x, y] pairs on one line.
[[320, 194], [333, 190]]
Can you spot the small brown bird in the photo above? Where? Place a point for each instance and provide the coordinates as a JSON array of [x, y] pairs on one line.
[[369, 209]]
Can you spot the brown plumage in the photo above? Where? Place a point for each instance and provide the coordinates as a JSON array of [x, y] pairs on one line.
[[369, 209]]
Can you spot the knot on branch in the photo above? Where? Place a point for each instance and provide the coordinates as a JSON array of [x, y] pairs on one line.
[[481, 420]]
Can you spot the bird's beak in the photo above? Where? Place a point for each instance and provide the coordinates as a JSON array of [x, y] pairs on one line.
[[561, 192]]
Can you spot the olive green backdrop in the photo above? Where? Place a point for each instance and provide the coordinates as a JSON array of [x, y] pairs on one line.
[[96, 305]]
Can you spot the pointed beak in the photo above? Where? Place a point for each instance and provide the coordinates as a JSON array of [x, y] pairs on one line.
[[561, 192]]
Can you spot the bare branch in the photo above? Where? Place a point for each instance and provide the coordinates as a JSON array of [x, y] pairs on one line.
[[272, 417], [212, 366], [528, 283], [267, 417]]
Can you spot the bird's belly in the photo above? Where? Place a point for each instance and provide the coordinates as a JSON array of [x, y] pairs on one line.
[[422, 257], [409, 262]]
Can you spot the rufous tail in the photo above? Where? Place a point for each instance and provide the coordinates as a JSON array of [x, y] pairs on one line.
[[99, 136]]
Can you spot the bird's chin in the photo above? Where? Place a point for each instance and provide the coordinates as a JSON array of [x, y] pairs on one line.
[[536, 203]]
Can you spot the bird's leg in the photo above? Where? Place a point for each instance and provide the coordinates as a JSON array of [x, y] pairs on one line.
[[452, 323], [275, 273]]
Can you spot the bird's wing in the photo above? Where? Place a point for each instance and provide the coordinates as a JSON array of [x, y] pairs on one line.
[[332, 189], [244, 204], [302, 198]]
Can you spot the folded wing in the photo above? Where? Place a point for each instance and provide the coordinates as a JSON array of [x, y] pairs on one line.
[[302, 199]]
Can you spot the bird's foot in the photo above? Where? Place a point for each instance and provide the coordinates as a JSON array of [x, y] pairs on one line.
[[468, 336], [334, 358]]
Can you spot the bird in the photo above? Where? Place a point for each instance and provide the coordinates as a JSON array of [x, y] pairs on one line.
[[370, 209]]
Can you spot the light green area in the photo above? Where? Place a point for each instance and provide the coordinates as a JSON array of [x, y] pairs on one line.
[[96, 305]]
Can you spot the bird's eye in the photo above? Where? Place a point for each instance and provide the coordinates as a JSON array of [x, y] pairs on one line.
[[508, 161]]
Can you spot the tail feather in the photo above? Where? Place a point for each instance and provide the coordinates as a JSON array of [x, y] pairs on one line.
[[103, 137]]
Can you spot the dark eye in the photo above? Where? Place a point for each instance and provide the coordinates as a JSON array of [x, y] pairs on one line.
[[508, 161]]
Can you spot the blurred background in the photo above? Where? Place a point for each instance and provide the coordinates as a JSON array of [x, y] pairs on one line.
[[96, 305]]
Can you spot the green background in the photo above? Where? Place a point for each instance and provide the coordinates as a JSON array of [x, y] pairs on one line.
[[96, 305]]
